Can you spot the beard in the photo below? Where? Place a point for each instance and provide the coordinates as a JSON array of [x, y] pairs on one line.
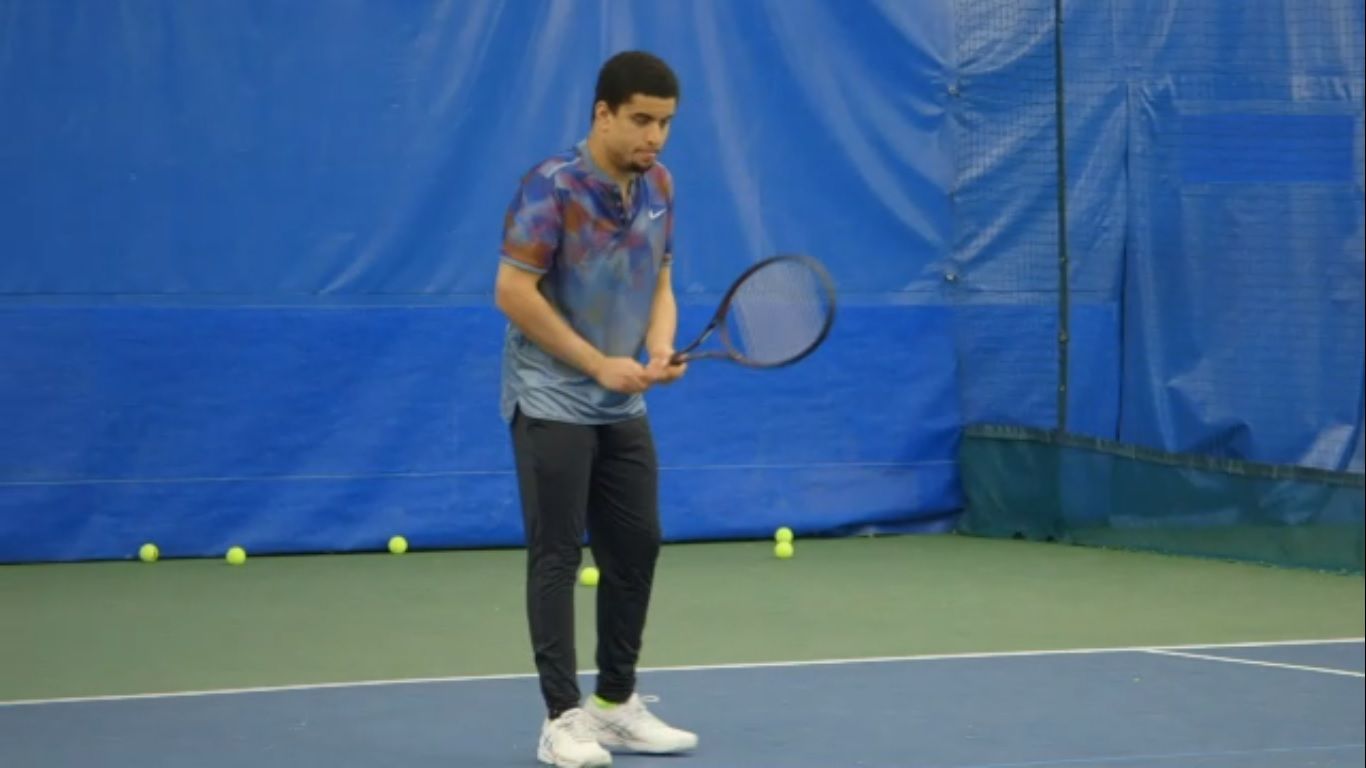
[[627, 162]]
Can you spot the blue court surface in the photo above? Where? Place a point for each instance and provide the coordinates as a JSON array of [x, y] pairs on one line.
[[1288, 705]]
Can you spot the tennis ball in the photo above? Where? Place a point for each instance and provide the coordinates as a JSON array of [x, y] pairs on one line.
[[783, 534], [149, 553], [783, 550], [589, 576], [237, 556], [398, 545]]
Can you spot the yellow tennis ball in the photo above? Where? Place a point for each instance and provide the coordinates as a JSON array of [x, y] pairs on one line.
[[237, 556], [149, 553], [783, 534], [589, 576], [398, 545], [783, 550]]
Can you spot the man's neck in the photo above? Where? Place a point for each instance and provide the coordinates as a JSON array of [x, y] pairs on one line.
[[599, 155]]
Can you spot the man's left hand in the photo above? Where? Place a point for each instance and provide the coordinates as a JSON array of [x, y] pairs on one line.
[[659, 368]]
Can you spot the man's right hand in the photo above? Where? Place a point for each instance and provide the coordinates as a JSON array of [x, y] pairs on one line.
[[622, 374]]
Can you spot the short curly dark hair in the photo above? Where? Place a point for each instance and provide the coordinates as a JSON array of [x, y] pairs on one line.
[[634, 72]]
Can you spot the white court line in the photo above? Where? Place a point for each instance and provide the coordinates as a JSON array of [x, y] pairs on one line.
[[1257, 663], [690, 668], [1135, 759]]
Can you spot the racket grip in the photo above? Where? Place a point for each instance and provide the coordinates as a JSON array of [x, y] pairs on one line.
[[678, 358]]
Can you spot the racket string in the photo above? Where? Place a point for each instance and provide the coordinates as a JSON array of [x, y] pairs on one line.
[[778, 312]]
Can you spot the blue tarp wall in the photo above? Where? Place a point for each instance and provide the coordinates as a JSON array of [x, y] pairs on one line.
[[246, 252]]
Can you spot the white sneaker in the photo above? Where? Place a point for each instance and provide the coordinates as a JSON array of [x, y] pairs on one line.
[[630, 726], [568, 742]]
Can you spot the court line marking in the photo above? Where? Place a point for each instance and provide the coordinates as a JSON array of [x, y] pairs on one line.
[[1258, 663], [681, 668], [1135, 759]]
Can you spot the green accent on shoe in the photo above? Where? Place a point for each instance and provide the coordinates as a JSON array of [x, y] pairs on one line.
[[604, 703]]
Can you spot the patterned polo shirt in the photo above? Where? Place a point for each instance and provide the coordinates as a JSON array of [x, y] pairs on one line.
[[600, 258]]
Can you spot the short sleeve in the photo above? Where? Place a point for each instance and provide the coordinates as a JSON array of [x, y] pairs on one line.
[[669, 235], [532, 226], [666, 188]]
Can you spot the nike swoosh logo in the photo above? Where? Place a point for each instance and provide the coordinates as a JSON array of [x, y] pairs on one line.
[[657, 213]]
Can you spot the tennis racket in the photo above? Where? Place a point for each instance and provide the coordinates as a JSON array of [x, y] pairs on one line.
[[775, 313]]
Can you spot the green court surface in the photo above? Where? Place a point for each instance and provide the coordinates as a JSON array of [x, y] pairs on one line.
[[113, 628]]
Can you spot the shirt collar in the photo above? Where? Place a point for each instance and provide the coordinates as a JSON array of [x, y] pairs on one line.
[[596, 171]]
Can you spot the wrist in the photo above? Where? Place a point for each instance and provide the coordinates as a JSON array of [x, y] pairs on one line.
[[594, 363]]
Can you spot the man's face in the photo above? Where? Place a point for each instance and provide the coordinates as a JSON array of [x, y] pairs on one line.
[[634, 135]]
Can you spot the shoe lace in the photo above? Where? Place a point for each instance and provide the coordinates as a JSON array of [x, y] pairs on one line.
[[639, 710], [575, 723]]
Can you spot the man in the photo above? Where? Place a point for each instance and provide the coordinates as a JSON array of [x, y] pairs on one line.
[[585, 283]]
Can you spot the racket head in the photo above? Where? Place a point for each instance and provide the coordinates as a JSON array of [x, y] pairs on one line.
[[777, 312]]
